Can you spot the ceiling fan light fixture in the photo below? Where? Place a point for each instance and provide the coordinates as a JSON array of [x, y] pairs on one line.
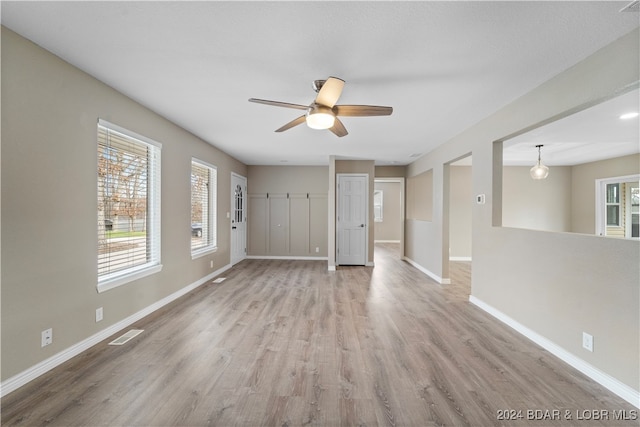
[[320, 117], [539, 171]]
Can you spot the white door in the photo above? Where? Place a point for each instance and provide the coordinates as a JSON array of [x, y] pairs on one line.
[[238, 218], [353, 192]]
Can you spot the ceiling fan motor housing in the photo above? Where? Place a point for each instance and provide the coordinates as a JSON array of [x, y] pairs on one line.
[[317, 85]]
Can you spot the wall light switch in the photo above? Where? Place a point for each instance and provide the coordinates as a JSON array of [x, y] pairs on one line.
[[99, 314]]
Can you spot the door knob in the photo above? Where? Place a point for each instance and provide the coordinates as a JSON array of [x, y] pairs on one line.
[[361, 225]]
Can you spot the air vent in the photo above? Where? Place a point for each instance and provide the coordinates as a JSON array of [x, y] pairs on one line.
[[220, 280], [127, 337], [415, 155], [634, 6]]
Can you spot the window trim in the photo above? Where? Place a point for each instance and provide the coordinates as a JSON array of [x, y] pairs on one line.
[[601, 195], [113, 280], [213, 210]]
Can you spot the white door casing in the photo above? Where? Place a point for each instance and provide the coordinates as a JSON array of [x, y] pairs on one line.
[[238, 218], [353, 218]]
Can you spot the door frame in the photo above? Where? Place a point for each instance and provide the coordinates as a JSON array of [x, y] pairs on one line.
[[401, 182], [231, 214], [366, 213]]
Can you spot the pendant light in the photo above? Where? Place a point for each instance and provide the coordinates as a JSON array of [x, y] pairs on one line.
[[539, 171]]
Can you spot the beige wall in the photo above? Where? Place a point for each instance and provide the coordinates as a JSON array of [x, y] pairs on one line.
[[390, 228], [49, 203], [288, 179], [288, 211], [420, 196], [536, 204], [460, 203], [557, 285], [390, 171]]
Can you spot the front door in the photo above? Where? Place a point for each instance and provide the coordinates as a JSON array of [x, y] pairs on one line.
[[238, 218], [353, 192]]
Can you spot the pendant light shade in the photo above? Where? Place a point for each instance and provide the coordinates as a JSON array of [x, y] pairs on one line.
[[539, 171]]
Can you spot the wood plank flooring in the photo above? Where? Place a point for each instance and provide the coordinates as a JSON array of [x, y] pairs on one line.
[[287, 343]]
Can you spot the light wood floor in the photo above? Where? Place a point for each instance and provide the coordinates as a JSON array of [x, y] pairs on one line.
[[288, 343]]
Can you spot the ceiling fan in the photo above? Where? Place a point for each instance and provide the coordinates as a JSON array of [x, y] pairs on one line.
[[323, 112]]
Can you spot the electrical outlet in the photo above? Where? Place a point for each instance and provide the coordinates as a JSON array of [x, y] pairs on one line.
[[99, 314], [47, 337], [587, 341], [211, 264], [317, 249]]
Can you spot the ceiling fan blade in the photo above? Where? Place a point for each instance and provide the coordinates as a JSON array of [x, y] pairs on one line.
[[362, 110], [279, 104], [292, 123], [330, 92], [338, 128]]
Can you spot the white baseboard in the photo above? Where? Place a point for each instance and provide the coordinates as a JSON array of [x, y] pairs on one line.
[[299, 258], [428, 273], [18, 380], [624, 391], [459, 258], [386, 241]]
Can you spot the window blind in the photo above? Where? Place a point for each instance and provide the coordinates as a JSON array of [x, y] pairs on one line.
[[128, 203], [203, 206]]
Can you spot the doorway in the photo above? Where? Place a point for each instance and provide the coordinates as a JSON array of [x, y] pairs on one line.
[[389, 213], [352, 221], [238, 218], [459, 200]]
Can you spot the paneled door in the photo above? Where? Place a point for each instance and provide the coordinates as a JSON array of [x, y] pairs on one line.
[[352, 221], [238, 218]]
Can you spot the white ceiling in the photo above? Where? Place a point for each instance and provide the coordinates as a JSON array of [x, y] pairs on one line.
[[442, 66], [593, 134]]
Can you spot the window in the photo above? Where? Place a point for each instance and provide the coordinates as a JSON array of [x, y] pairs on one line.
[[377, 205], [203, 207], [617, 212], [613, 204], [128, 206]]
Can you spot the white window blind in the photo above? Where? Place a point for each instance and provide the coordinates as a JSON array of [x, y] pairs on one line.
[[203, 207], [128, 206]]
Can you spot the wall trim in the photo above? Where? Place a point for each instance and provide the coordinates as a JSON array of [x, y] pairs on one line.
[[622, 390], [459, 258], [298, 258], [18, 380], [386, 241], [427, 272]]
